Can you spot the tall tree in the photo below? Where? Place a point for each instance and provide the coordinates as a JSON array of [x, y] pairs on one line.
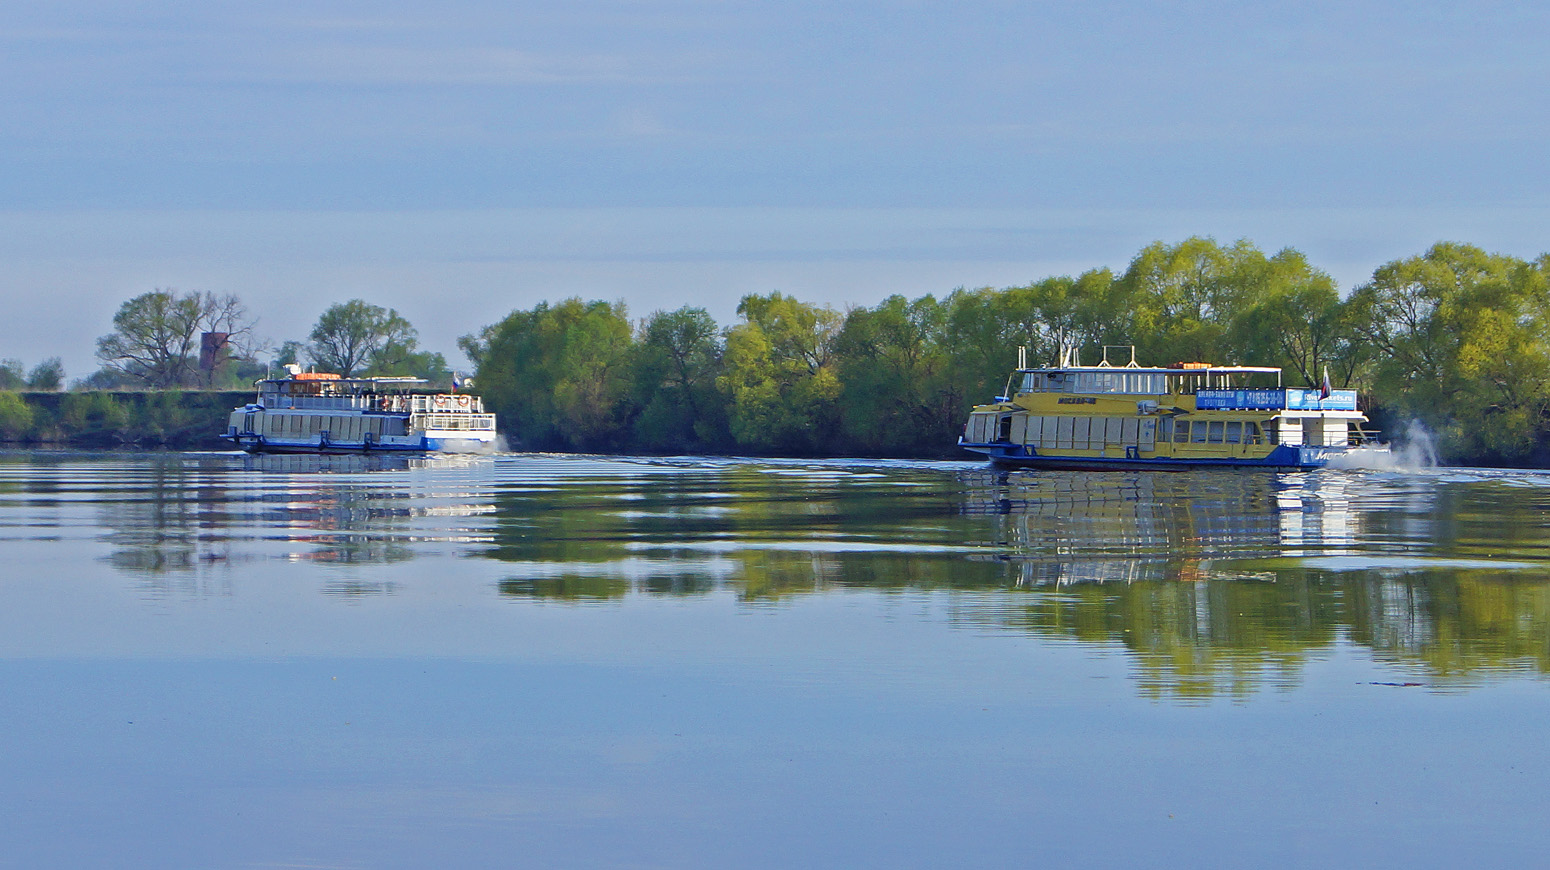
[[47, 376], [677, 360], [1186, 296], [155, 338], [897, 395], [16, 417], [12, 374], [778, 374], [1462, 343], [559, 375], [350, 337]]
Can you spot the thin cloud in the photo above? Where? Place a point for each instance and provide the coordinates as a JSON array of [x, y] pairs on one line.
[[455, 65]]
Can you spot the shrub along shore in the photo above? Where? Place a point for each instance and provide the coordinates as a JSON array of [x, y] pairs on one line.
[[172, 419]]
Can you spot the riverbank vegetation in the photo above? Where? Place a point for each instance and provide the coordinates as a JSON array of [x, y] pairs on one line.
[[1455, 338], [181, 419]]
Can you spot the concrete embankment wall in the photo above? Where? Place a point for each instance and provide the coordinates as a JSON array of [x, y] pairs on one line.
[[174, 419]]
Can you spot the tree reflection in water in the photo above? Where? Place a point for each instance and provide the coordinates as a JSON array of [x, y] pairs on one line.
[[1214, 583]]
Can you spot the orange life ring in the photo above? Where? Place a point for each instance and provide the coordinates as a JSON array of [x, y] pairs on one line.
[[441, 400], [462, 401]]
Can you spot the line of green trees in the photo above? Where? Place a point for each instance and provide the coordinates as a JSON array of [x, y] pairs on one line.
[[1456, 338]]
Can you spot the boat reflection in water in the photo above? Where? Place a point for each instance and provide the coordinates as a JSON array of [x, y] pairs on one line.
[[1073, 527], [192, 522], [1221, 584]]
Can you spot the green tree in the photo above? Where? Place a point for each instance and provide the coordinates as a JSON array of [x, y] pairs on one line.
[[1183, 297], [1292, 317], [155, 338], [559, 375], [353, 337], [1460, 343], [985, 327], [778, 374], [289, 353], [677, 361], [15, 417], [897, 395], [12, 374], [47, 376]]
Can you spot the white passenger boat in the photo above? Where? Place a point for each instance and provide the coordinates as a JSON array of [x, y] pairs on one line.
[[325, 413], [1187, 415]]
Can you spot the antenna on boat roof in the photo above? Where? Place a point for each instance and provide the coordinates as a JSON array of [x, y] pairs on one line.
[[1022, 356]]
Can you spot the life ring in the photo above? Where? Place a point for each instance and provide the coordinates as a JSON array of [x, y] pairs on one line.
[[386, 404], [462, 401], [441, 400]]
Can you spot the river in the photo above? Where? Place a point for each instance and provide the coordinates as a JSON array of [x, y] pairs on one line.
[[222, 661]]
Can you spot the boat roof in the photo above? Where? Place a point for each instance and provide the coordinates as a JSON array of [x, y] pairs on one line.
[[394, 381], [1187, 369]]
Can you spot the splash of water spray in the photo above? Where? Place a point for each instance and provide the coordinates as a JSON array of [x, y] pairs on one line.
[[1414, 451], [1417, 449]]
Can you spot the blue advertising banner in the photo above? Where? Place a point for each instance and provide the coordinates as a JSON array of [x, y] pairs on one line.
[[1239, 400], [1274, 400], [1308, 400]]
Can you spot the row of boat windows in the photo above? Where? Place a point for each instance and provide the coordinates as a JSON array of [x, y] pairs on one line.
[[1119, 381], [1074, 433], [1212, 432], [1096, 433], [338, 428]]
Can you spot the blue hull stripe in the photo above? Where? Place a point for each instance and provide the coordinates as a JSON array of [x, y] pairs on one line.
[[1282, 456]]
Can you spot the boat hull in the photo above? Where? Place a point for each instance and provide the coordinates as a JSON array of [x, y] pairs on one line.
[[1283, 457], [422, 444]]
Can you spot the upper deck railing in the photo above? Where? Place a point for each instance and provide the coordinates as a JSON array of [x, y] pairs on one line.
[[397, 403], [448, 403], [1137, 381]]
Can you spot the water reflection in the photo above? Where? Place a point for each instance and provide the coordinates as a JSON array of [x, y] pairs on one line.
[[1213, 584], [177, 514]]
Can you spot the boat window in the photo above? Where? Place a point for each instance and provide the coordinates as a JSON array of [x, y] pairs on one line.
[[1180, 431], [1165, 429], [1235, 432], [1198, 432], [1216, 432]]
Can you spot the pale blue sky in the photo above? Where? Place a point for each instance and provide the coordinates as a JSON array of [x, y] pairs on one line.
[[460, 159]]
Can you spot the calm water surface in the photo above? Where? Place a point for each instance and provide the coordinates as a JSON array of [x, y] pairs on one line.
[[530, 661]]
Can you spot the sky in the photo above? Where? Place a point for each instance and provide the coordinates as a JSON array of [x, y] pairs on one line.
[[462, 159]]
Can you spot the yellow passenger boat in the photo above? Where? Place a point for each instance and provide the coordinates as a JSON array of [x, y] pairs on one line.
[[1186, 415]]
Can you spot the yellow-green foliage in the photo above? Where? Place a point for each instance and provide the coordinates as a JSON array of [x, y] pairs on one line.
[[15, 417], [92, 412], [779, 375]]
